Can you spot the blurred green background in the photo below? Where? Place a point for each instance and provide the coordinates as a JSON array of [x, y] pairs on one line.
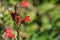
[[44, 16]]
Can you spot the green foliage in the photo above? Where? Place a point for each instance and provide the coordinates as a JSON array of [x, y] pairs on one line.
[[39, 27]]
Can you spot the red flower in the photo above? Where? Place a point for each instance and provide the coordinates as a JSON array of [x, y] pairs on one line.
[[24, 4], [11, 35], [26, 19], [7, 30], [17, 19], [8, 33], [12, 15]]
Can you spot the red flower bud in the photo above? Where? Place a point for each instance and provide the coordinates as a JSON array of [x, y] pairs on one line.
[[26, 19], [17, 19], [12, 15], [24, 4]]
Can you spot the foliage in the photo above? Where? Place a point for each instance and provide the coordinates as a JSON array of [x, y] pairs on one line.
[[42, 26]]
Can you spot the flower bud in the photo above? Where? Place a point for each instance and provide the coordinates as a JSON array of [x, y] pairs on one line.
[[17, 19], [12, 15], [24, 4], [26, 19]]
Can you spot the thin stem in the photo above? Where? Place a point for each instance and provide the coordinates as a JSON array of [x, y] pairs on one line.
[[18, 35]]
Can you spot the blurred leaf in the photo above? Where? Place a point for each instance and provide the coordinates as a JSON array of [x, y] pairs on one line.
[[45, 19], [55, 13], [34, 37], [13, 2], [53, 1], [46, 6], [47, 26], [58, 23], [32, 28]]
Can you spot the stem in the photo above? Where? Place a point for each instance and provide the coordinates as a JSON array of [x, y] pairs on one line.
[[17, 30], [18, 34]]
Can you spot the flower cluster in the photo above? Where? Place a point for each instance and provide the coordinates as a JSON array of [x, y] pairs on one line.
[[8, 33], [16, 18], [26, 19]]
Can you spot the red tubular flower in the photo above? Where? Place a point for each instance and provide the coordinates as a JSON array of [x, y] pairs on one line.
[[12, 15], [26, 19], [24, 4], [17, 19]]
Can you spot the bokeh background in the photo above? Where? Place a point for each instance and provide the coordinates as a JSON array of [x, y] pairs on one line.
[[44, 16]]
